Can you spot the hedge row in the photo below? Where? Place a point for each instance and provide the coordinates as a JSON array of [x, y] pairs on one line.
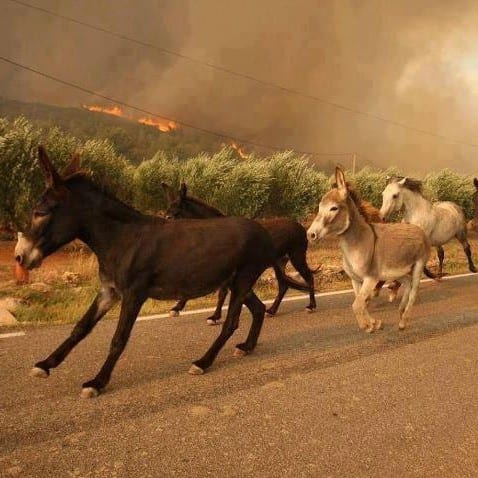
[[283, 184]]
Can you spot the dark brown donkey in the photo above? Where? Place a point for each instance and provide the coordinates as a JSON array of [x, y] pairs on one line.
[[142, 256], [288, 236]]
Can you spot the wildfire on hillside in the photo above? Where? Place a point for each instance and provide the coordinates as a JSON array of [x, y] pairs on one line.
[[109, 110], [239, 150], [161, 124]]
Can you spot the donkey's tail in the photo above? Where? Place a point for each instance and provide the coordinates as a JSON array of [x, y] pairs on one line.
[[430, 274], [284, 278]]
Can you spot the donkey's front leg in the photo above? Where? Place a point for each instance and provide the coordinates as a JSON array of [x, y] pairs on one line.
[[103, 302], [365, 321], [130, 308]]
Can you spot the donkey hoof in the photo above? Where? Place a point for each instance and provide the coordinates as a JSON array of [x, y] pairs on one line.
[[370, 329], [378, 325], [195, 370], [39, 372], [401, 326], [310, 310], [270, 313], [89, 392], [238, 353], [173, 313], [213, 321]]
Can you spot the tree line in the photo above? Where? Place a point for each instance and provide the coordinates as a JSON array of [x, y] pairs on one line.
[[282, 184]]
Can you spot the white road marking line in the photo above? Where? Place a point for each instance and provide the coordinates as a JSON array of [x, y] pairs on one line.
[[289, 299], [269, 301], [12, 334]]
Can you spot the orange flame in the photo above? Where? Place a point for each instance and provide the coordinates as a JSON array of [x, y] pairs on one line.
[[159, 123], [239, 150], [111, 110]]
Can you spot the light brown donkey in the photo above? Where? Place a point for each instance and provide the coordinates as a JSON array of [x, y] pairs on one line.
[[372, 253]]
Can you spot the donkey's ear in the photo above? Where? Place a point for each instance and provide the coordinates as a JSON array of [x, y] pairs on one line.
[[340, 180], [73, 166], [183, 191], [475, 182], [403, 181], [53, 179]]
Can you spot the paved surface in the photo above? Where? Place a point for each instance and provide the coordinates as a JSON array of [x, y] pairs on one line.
[[318, 398]]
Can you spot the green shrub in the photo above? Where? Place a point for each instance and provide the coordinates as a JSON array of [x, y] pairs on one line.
[[447, 185], [148, 193]]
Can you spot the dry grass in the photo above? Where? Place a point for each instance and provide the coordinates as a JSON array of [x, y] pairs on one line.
[[61, 290]]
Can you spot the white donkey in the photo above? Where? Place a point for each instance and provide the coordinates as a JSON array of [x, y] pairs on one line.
[[441, 221], [372, 253]]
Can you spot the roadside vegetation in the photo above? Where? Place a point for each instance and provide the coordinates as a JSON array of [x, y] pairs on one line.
[[282, 184]]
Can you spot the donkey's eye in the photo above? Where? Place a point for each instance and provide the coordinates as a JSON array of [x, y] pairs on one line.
[[334, 208], [395, 196]]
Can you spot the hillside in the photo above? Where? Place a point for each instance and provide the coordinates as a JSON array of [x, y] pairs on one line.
[[136, 141]]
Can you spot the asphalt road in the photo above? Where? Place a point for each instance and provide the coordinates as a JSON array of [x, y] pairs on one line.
[[317, 398]]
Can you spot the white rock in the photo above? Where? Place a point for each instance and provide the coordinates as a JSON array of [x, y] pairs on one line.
[[6, 318], [10, 303]]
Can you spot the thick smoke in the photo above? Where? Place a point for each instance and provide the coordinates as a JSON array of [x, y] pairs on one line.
[[414, 62]]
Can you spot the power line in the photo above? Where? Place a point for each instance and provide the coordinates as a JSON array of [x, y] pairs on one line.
[[222, 69], [150, 113]]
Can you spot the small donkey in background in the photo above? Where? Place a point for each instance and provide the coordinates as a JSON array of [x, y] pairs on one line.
[[289, 239], [372, 253]]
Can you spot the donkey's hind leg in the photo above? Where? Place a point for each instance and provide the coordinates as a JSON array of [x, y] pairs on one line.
[[240, 289], [272, 310], [102, 303], [215, 318], [257, 309], [441, 259], [365, 321], [462, 237], [406, 305], [299, 261], [406, 282]]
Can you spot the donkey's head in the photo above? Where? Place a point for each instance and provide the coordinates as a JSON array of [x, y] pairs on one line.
[[177, 202], [392, 197], [393, 194], [54, 222], [333, 216]]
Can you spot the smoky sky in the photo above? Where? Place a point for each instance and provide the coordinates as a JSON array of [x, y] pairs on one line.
[[415, 62]]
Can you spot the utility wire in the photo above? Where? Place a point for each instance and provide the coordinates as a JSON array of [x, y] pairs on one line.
[[222, 69], [149, 113]]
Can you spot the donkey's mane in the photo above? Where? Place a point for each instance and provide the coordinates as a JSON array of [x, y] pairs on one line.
[[204, 204], [414, 185], [114, 207], [366, 209]]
